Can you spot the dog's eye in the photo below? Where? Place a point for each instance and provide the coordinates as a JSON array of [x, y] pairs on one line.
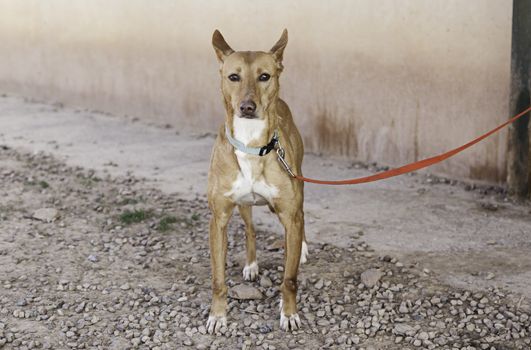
[[264, 77], [234, 77]]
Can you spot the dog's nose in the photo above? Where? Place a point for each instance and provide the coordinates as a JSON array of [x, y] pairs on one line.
[[248, 107]]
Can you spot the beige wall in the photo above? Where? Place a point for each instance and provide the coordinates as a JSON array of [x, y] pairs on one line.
[[388, 81]]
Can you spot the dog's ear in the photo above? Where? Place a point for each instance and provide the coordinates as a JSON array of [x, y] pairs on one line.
[[220, 46], [278, 49]]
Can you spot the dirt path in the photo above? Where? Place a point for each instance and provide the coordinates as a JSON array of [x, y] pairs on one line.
[[126, 261], [122, 265]]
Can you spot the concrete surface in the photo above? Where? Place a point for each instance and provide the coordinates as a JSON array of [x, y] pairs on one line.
[[388, 81], [471, 239]]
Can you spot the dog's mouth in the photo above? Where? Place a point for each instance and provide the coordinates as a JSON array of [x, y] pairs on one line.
[[248, 116]]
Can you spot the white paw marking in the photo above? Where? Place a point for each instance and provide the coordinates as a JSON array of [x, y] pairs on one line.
[[250, 272], [289, 323], [304, 253], [215, 323]]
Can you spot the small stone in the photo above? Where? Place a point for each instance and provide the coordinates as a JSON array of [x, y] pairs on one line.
[[371, 277], [245, 292], [404, 329], [435, 300], [403, 309], [338, 310], [323, 322], [125, 286], [265, 282], [342, 339], [440, 341], [319, 284], [398, 339], [92, 258], [80, 307], [46, 214], [265, 328], [146, 331], [423, 336]]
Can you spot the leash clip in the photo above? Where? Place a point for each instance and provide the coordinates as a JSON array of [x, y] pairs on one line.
[[280, 156]]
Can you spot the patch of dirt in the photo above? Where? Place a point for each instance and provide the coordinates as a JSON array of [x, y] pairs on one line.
[[125, 266]]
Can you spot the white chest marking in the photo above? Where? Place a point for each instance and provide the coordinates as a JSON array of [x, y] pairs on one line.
[[250, 187], [247, 130]]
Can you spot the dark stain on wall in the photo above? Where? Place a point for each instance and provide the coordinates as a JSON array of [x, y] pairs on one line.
[[335, 135], [487, 173]]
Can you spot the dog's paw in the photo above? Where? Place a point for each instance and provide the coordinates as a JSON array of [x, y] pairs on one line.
[[250, 272], [304, 253], [289, 323], [215, 323]]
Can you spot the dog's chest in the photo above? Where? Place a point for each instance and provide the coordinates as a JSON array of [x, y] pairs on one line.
[[250, 186]]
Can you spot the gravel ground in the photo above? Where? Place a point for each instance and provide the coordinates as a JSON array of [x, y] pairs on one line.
[[109, 263]]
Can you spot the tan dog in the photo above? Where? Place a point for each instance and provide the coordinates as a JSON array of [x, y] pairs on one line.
[[255, 119]]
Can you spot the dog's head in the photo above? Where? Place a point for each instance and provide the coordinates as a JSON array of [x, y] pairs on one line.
[[249, 79]]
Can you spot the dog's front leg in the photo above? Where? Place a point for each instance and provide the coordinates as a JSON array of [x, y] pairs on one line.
[[221, 213], [292, 219]]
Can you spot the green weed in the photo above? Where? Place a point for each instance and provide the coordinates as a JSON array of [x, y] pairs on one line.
[[132, 217]]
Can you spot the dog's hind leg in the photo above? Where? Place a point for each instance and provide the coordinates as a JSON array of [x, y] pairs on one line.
[[304, 250], [221, 213], [250, 271]]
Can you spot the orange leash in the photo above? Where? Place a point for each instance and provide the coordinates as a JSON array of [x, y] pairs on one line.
[[408, 167]]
